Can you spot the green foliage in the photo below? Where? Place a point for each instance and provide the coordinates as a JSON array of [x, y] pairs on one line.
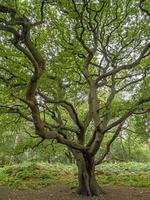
[[130, 173], [35, 175], [30, 175], [123, 166]]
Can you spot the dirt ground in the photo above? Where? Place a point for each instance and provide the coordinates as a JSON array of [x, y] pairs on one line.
[[63, 192]]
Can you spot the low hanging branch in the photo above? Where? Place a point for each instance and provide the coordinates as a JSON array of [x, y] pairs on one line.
[[128, 113], [38, 63], [68, 106], [107, 149]]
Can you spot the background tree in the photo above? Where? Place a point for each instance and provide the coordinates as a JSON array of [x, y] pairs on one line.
[[74, 69]]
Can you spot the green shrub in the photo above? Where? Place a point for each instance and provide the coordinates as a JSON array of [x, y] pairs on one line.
[[38, 175]]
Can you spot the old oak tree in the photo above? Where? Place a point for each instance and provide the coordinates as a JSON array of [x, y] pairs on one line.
[[76, 71]]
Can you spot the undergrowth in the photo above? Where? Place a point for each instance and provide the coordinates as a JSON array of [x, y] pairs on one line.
[[30, 175]]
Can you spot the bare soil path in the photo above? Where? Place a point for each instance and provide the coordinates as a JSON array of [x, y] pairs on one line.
[[63, 192]]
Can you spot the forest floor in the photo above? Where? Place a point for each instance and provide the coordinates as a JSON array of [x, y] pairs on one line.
[[65, 192]]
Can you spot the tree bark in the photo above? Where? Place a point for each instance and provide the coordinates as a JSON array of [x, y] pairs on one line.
[[88, 185]]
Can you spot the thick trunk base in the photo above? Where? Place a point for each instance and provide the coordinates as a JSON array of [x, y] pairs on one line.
[[89, 190], [88, 185]]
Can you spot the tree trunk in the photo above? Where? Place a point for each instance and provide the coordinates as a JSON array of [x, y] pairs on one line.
[[88, 185]]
